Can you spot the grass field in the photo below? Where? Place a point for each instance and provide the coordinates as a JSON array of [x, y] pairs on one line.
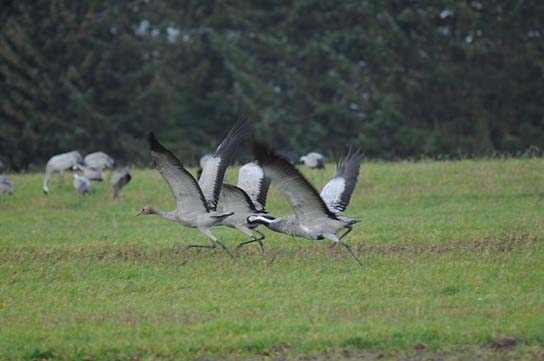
[[453, 254]]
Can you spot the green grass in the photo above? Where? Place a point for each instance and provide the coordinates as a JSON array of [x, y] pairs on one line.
[[453, 255]]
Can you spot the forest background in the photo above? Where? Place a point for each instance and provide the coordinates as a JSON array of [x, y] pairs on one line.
[[399, 79]]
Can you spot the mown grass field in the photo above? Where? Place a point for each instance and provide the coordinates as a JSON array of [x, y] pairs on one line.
[[453, 254]]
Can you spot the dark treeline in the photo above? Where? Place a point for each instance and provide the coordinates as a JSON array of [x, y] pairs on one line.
[[396, 78]]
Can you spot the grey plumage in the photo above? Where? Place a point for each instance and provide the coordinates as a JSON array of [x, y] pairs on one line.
[[214, 168], [204, 159], [337, 192], [313, 160], [119, 178], [82, 184], [99, 160], [247, 198], [226, 197], [201, 162], [5, 186], [312, 218], [93, 173], [191, 206], [60, 163], [289, 154], [252, 180]]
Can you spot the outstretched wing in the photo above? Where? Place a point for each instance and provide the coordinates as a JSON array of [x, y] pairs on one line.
[[213, 172], [182, 184], [301, 196], [252, 180], [337, 192], [235, 199]]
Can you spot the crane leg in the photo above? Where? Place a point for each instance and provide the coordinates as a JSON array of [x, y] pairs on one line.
[[347, 246], [259, 240], [45, 187], [348, 229], [214, 244], [350, 250], [335, 240]]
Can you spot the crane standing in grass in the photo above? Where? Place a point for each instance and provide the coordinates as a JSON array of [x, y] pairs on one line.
[[94, 164], [119, 179], [81, 184], [99, 160], [92, 172], [196, 201], [5, 186], [60, 163], [315, 215], [313, 160]]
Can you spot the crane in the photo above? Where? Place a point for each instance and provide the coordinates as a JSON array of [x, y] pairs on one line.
[[313, 160], [99, 160], [247, 198], [315, 215], [119, 178], [5, 186], [196, 201], [60, 163], [82, 184]]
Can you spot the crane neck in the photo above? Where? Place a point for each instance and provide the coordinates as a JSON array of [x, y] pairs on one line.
[[170, 215], [263, 219]]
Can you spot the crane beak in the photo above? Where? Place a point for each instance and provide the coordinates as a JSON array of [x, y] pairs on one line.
[[139, 213]]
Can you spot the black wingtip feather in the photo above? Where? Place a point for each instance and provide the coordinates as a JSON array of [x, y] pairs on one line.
[[261, 151], [156, 146], [240, 131], [243, 127], [264, 154], [268, 157], [153, 142]]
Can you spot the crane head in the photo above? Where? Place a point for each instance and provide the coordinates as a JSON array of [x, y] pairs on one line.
[[146, 210]]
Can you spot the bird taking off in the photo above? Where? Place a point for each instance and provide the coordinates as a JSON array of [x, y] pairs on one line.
[[252, 180], [214, 168], [315, 216], [192, 208], [337, 192], [247, 198]]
